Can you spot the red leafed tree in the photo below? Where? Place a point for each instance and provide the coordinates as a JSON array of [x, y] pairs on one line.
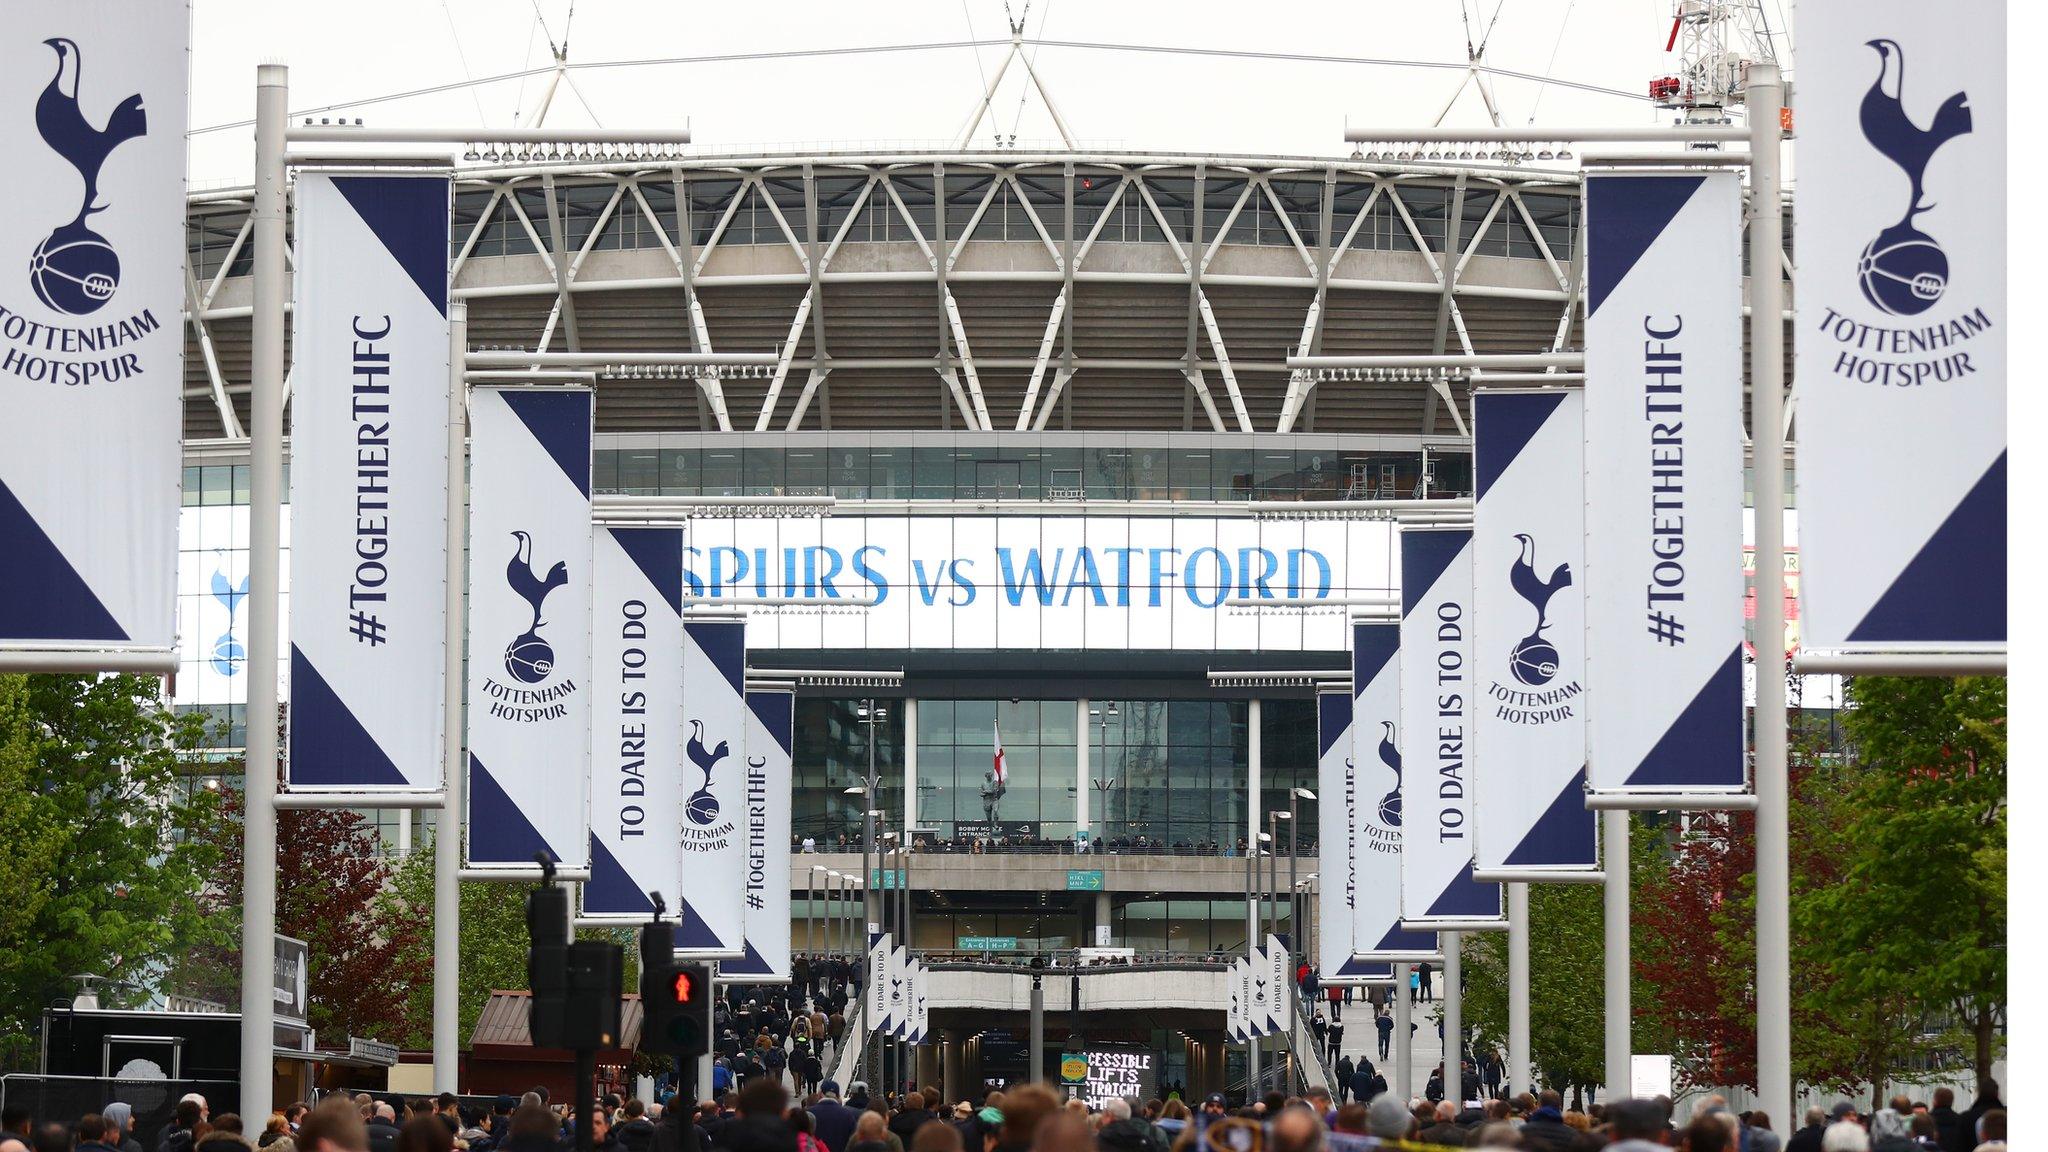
[[330, 874], [1697, 959]]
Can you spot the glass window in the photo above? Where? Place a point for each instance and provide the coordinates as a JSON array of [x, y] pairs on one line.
[[848, 472], [216, 484], [721, 472], [804, 472], [1190, 474], [639, 472], [763, 468], [934, 473], [189, 489], [1230, 473], [681, 471], [1109, 473], [890, 473]]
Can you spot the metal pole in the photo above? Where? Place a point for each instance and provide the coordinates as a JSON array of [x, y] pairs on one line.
[[1767, 425], [1251, 947], [1518, 989], [448, 821], [1404, 1041], [1614, 850], [867, 839], [1037, 1071], [266, 496], [1454, 1017]]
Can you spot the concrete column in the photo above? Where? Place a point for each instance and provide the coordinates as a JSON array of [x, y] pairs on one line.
[[952, 1075], [1104, 917], [1084, 746], [909, 768]]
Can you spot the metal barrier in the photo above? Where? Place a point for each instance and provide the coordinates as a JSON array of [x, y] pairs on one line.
[[154, 1102]]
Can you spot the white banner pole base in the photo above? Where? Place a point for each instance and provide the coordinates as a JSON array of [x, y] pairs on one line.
[[1672, 801], [1537, 876], [1986, 663]]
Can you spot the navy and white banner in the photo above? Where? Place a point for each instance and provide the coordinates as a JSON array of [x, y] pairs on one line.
[[771, 724], [92, 114], [529, 625], [1901, 332], [369, 483], [1529, 630], [636, 721], [714, 828], [920, 1005], [1371, 746], [901, 995], [1336, 836], [877, 991], [1279, 968], [1664, 459], [1237, 1018], [1438, 699]]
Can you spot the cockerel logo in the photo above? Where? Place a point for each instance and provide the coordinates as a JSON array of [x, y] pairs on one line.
[[530, 659], [703, 806], [1904, 271], [1534, 660], [75, 270]]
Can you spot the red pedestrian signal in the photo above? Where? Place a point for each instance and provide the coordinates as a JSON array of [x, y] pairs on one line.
[[684, 987]]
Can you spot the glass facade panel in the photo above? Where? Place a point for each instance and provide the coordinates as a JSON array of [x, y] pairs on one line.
[[955, 766], [1169, 774], [831, 755]]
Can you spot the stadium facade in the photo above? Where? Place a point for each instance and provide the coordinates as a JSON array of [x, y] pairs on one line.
[[1049, 393]]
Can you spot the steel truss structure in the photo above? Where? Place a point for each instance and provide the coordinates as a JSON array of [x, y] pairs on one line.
[[1115, 291]]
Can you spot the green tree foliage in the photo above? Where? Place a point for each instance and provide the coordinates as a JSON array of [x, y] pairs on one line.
[[331, 880], [1919, 918], [1567, 963], [101, 866], [493, 942], [493, 945]]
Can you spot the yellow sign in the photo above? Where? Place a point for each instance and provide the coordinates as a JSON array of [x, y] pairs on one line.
[[1073, 1068]]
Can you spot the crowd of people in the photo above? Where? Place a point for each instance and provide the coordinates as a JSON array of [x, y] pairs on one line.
[[762, 1116]]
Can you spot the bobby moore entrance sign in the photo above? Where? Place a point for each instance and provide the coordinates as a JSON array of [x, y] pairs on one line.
[[1664, 482], [1902, 325], [92, 258]]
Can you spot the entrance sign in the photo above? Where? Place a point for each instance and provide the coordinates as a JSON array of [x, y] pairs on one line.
[[1902, 325], [92, 113], [714, 826], [1529, 632], [1435, 732], [529, 625], [636, 721], [1114, 583], [771, 723], [1372, 749], [369, 483], [1664, 457]]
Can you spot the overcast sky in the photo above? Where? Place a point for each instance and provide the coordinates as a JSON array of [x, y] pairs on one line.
[[1110, 99]]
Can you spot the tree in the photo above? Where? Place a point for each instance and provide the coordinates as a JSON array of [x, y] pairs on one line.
[[331, 881], [493, 944], [1920, 917], [100, 865], [1567, 964]]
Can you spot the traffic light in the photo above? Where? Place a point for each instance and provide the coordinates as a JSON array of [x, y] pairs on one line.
[[547, 965], [676, 998], [597, 969]]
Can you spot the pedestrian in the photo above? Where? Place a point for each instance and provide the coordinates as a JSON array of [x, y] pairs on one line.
[[870, 1134], [635, 1132], [121, 1127], [382, 1128], [1423, 983], [1344, 1069], [91, 1131], [426, 1133], [1336, 1038], [179, 1137]]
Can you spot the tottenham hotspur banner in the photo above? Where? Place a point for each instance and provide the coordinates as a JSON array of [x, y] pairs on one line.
[[369, 482], [92, 259], [1664, 482], [1529, 633], [529, 625], [1902, 325]]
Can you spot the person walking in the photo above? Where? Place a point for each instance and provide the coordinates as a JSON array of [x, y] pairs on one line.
[[1336, 1038], [1422, 982], [1384, 1022], [1344, 1070]]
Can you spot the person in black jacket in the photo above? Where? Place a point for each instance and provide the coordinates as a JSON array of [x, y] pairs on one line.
[[760, 1125], [835, 1120], [913, 1116], [383, 1129], [1808, 1138], [635, 1132]]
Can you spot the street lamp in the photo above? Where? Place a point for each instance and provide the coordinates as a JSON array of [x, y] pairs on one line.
[[1294, 798], [1103, 784]]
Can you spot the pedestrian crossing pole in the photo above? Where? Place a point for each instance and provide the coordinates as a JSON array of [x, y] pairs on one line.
[[1404, 1039], [1518, 988]]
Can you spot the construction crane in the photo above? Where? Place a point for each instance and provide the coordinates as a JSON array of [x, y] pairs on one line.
[[1714, 43]]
